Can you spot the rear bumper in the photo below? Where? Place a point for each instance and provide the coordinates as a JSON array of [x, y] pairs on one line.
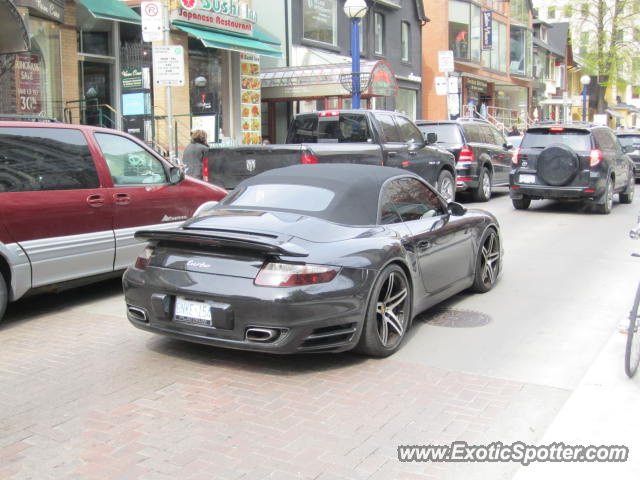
[[591, 188], [303, 319], [466, 176]]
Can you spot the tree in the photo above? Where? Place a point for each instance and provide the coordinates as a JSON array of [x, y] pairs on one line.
[[609, 58]]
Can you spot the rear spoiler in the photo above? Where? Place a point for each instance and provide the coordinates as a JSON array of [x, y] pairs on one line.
[[246, 242]]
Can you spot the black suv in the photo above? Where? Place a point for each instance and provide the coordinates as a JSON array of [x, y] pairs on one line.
[[573, 161], [630, 141], [483, 156]]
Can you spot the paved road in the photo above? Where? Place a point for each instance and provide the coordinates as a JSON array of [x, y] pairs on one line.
[[83, 395]]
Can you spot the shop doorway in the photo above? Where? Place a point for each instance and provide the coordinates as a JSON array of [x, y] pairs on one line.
[[96, 86]]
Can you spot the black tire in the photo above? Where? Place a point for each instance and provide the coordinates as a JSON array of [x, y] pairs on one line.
[[382, 334], [605, 202], [446, 182], [632, 352], [3, 297], [626, 196], [483, 192], [521, 203], [488, 262]]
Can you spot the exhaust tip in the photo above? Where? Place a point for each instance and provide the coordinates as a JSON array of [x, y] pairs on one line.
[[262, 335], [138, 314]]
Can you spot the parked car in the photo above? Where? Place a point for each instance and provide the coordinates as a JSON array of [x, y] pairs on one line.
[[572, 161], [71, 198], [312, 258], [482, 154], [630, 141], [369, 137]]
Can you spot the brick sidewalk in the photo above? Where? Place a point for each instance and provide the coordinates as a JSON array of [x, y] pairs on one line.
[[87, 396]]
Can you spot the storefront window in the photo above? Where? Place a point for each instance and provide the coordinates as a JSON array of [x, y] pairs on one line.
[[319, 20], [38, 74], [496, 58], [521, 44], [406, 102], [464, 30], [205, 82]]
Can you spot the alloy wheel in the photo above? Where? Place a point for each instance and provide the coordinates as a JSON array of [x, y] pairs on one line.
[[490, 260], [390, 311], [486, 185], [447, 189]]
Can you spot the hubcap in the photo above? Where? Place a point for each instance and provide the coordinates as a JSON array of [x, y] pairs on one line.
[[490, 263], [390, 311], [486, 185], [446, 189]]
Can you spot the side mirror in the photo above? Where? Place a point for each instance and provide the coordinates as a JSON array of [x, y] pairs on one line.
[[176, 175], [456, 209], [432, 137], [508, 146]]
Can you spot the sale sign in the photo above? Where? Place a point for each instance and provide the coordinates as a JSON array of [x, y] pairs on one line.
[[28, 70]]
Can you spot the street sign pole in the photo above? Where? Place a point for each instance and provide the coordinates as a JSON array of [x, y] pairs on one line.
[[169, 100]]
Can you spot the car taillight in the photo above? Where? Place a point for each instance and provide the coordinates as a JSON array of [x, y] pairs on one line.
[[294, 275], [595, 157], [142, 262], [306, 159], [205, 169], [329, 114], [514, 156], [466, 155]]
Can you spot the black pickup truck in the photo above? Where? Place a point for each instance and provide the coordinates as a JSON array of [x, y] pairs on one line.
[[372, 137]]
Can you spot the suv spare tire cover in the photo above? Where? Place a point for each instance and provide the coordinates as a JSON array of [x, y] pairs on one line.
[[558, 164]]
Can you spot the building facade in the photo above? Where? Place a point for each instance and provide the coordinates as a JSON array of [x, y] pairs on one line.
[[314, 72], [492, 45]]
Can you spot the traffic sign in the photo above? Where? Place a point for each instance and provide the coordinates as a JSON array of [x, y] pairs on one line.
[[445, 61], [168, 65], [152, 21], [441, 85]]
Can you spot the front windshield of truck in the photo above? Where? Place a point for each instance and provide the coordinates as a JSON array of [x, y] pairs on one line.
[[336, 128]]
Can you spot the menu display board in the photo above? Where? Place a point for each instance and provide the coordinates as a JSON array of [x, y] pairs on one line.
[[250, 99]]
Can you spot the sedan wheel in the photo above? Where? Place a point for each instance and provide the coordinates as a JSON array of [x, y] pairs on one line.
[[488, 263], [3, 296], [388, 314]]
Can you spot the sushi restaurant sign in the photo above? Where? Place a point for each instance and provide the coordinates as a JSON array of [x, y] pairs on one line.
[[226, 15]]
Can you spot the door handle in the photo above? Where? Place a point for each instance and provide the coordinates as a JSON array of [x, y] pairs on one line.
[[122, 198], [424, 245], [95, 200]]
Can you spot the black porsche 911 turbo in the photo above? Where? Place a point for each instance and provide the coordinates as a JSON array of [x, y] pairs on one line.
[[312, 258]]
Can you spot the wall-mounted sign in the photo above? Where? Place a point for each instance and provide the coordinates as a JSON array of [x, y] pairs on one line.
[[168, 65], [224, 7], [152, 21], [383, 82], [445, 61], [28, 68], [250, 99], [213, 20], [53, 9], [487, 29], [131, 78], [134, 104]]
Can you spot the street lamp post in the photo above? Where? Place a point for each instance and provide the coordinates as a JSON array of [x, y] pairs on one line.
[[355, 10], [584, 80]]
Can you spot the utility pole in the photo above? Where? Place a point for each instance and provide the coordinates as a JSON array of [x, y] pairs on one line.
[[169, 100]]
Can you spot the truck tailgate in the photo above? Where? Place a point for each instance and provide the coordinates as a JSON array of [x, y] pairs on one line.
[[229, 166]]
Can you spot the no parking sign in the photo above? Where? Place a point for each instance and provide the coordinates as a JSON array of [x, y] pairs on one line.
[[152, 21]]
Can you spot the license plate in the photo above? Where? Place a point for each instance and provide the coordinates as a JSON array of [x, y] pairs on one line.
[[527, 178], [193, 313]]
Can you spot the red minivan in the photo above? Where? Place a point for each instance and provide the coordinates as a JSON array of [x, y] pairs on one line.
[[71, 198]]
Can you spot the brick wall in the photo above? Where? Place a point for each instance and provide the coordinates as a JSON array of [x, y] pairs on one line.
[[435, 35]]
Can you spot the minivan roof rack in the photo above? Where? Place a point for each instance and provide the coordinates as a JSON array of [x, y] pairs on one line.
[[27, 118]]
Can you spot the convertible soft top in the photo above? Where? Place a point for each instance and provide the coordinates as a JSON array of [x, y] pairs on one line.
[[356, 189]]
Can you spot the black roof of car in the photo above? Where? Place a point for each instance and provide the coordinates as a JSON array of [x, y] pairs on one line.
[[356, 188], [575, 125], [453, 122]]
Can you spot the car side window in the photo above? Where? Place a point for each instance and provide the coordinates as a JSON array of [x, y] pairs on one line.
[[471, 133], [388, 212], [413, 200], [408, 131], [34, 159], [129, 163], [498, 139], [389, 131]]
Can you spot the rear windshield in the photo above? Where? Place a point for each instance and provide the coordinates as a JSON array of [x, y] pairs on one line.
[[303, 198], [576, 139], [446, 133], [629, 140], [343, 128]]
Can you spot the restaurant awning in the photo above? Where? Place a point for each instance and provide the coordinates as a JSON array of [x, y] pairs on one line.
[[237, 43], [327, 80], [111, 10], [14, 36]]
